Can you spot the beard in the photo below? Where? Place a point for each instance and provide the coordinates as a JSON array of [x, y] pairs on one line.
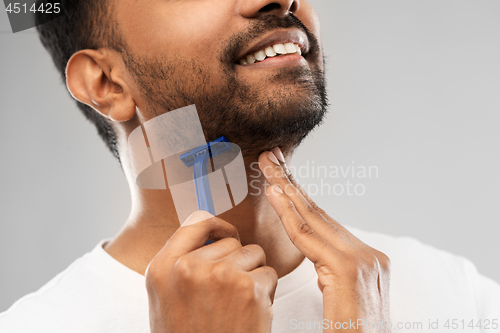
[[252, 116]]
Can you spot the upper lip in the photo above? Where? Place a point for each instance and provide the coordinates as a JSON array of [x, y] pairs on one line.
[[294, 36]]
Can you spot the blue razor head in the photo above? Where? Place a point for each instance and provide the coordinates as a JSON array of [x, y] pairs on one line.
[[215, 147], [219, 146], [189, 157]]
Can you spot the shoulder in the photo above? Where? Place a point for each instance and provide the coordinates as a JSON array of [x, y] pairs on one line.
[[39, 310], [94, 293], [430, 277], [412, 254]]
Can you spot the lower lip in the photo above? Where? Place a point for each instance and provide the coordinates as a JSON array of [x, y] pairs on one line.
[[278, 61]]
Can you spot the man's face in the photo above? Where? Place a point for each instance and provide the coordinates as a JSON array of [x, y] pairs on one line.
[[183, 52]]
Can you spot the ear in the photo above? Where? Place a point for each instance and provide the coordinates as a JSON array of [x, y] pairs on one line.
[[94, 78]]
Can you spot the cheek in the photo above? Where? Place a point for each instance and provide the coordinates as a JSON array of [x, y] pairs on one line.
[[176, 30], [310, 18]]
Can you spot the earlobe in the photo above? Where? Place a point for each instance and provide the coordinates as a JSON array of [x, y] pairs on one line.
[[89, 80], [122, 111]]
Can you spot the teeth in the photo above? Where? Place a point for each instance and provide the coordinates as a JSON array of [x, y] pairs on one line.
[[290, 48], [299, 51], [251, 59], [271, 51], [259, 56], [279, 48]]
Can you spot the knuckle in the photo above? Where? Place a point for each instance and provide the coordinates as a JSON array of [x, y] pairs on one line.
[[290, 176], [214, 224], [266, 284], [232, 243], [246, 252], [371, 263], [364, 265], [219, 272], [314, 210], [305, 229], [333, 228], [254, 250], [318, 209], [271, 272], [368, 262], [153, 275], [287, 210], [246, 287], [247, 284], [270, 190], [384, 260], [361, 265], [311, 210], [183, 268], [302, 230]]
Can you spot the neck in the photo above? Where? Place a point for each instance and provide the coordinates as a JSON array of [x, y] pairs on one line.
[[153, 221]]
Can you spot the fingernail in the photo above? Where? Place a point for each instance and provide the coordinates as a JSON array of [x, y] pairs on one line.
[[279, 155], [273, 158], [198, 216], [278, 188]]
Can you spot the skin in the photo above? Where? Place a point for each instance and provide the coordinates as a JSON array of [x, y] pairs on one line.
[[263, 238]]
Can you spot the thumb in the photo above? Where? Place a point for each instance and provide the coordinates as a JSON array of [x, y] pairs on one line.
[[197, 216]]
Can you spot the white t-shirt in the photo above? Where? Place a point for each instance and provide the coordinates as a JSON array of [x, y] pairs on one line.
[[431, 291]]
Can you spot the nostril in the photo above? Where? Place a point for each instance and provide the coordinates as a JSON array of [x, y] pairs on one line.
[[270, 7]]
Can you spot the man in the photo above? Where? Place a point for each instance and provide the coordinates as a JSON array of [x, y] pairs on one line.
[[132, 61]]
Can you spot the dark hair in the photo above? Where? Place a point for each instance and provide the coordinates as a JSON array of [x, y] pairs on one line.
[[83, 24]]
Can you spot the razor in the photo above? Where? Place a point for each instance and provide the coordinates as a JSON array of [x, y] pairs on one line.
[[198, 159]]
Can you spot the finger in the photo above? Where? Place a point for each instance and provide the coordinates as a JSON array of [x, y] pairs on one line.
[[275, 175], [194, 233], [309, 206], [279, 155], [267, 279], [300, 233], [247, 258], [314, 206], [216, 250]]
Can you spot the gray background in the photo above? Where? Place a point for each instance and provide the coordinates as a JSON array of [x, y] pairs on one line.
[[414, 89]]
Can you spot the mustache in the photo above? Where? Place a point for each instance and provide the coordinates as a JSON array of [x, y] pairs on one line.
[[261, 26]]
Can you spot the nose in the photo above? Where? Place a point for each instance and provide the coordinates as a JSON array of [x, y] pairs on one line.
[[256, 8]]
